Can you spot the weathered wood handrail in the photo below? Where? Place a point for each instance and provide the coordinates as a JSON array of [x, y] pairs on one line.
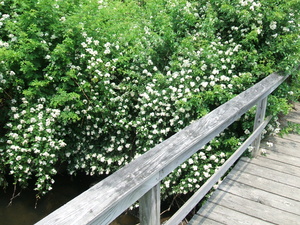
[[140, 179]]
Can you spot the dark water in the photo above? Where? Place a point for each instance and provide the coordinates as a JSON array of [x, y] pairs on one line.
[[22, 211]]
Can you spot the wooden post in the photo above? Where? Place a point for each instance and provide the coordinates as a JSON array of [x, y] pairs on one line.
[[150, 207], [259, 118]]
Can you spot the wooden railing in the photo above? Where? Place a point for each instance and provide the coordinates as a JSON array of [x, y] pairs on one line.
[[140, 179]]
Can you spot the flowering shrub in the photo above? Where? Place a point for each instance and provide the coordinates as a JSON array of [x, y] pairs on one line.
[[33, 137], [94, 84]]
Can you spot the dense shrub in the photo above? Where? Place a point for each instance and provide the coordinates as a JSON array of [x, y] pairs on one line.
[[91, 85]]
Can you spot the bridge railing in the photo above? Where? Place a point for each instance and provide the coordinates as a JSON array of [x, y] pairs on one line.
[[140, 179]]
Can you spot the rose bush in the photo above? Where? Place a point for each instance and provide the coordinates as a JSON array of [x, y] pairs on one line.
[[92, 85]]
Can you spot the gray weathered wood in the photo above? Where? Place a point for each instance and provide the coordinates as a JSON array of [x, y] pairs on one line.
[[293, 116], [270, 174], [253, 208], [281, 157], [276, 165], [110, 197], [261, 196], [260, 188], [289, 145], [265, 184], [253, 196], [203, 221], [150, 207], [259, 118], [297, 106], [293, 137], [227, 216], [193, 201]]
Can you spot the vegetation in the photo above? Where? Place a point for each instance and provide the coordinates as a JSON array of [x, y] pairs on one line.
[[90, 85], [290, 127]]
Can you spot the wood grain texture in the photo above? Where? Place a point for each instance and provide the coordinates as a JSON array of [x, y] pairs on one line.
[[289, 145], [108, 199], [262, 183], [258, 195], [259, 118], [257, 209], [150, 207], [245, 196], [204, 221], [267, 173], [293, 117], [282, 157], [292, 137], [225, 215], [277, 165]]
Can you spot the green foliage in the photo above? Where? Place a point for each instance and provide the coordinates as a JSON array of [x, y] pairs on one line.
[[94, 84], [290, 128]]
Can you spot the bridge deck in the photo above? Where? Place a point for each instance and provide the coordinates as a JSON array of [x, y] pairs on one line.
[[263, 190]]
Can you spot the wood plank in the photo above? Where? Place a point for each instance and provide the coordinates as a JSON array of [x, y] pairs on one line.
[[264, 184], [225, 215], [297, 106], [293, 120], [285, 145], [275, 165], [252, 208], [197, 219], [292, 137], [288, 159], [277, 176], [110, 197], [261, 196], [293, 117]]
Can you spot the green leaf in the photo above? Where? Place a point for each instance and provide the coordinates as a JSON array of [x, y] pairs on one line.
[[63, 97]]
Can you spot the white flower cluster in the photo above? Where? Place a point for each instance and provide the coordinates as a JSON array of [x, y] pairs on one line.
[[102, 4], [274, 128], [3, 18], [31, 142], [251, 3], [194, 172], [273, 25]]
